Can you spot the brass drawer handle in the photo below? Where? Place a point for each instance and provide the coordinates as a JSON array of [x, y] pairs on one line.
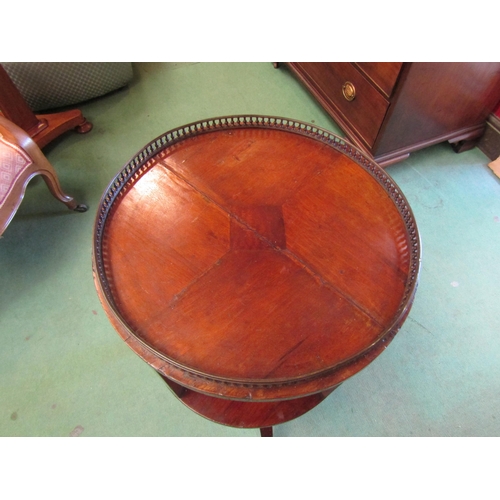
[[349, 91]]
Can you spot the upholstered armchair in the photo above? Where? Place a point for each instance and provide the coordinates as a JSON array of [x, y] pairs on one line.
[[25, 90], [53, 85], [20, 160]]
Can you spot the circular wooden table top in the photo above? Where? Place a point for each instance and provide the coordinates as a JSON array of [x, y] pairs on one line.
[[255, 258]]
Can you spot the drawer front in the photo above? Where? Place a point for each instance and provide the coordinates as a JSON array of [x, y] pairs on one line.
[[383, 75], [349, 93]]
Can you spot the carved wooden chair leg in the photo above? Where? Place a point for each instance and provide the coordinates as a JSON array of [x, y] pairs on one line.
[[20, 160], [55, 188], [42, 167], [266, 432]]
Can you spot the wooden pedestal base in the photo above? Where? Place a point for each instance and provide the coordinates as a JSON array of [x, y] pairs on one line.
[[53, 125], [42, 128]]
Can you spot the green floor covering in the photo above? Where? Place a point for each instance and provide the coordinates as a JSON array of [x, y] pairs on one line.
[[65, 372]]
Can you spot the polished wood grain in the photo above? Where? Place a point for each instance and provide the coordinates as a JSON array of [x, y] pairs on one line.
[[403, 107], [383, 74], [242, 414], [440, 100], [364, 114], [255, 264], [14, 107]]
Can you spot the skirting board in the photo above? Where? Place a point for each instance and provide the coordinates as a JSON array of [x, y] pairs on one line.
[[489, 143], [495, 166]]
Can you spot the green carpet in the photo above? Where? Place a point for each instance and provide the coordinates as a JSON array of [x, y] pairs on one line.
[[65, 372]]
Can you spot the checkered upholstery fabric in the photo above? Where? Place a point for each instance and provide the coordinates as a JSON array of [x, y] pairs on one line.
[[13, 161], [52, 85]]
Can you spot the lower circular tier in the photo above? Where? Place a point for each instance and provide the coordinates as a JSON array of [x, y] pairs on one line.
[[246, 414]]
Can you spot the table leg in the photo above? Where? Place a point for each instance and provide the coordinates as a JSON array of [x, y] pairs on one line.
[[266, 432]]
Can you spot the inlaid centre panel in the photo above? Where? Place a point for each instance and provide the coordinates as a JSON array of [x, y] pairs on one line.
[[246, 241]]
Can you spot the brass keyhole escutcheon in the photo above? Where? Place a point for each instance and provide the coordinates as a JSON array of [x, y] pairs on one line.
[[349, 91]]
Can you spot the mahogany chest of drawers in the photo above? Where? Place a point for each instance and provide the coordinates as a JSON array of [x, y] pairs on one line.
[[391, 109]]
